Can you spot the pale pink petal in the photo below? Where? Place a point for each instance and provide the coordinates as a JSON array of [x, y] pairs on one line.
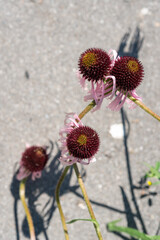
[[100, 96], [81, 79], [23, 173], [115, 102], [93, 159], [134, 94], [67, 160], [27, 145], [70, 121], [83, 161], [36, 175], [113, 54], [120, 105], [131, 104], [88, 97]]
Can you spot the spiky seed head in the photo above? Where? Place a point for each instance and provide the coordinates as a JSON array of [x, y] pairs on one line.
[[94, 64], [83, 142], [128, 72], [34, 158]]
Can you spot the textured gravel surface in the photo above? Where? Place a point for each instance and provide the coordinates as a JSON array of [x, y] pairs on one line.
[[40, 43]]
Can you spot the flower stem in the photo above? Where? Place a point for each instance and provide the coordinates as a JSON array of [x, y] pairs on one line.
[[87, 109], [58, 201], [145, 108], [81, 115], [87, 200], [28, 215], [136, 101], [140, 104]]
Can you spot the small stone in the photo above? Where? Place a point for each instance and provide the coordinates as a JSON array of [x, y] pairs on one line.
[[116, 131]]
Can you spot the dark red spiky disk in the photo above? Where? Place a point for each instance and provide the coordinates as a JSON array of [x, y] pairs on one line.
[[128, 72], [94, 64], [34, 158], [83, 142]]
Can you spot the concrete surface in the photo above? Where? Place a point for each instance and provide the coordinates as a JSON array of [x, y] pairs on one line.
[[40, 43]]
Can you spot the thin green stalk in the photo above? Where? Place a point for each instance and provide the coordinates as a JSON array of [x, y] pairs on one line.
[[145, 108], [87, 109], [28, 215], [136, 101], [80, 181], [139, 103], [81, 115], [58, 201]]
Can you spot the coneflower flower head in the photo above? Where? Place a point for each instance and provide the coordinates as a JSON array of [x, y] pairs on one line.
[[83, 142], [94, 64], [121, 78], [32, 162], [128, 72], [79, 143]]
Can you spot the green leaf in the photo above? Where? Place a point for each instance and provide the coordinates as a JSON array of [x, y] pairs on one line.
[[131, 231], [157, 166], [81, 219], [154, 171]]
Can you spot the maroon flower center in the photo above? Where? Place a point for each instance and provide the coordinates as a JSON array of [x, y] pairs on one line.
[[128, 72], [94, 64], [83, 142], [34, 158]]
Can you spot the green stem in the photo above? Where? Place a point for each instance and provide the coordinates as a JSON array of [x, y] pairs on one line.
[[145, 108], [59, 204], [136, 101], [81, 115], [87, 109], [28, 215], [87, 200], [140, 104]]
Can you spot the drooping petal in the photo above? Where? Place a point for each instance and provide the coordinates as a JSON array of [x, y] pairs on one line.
[[113, 54], [23, 173], [113, 105], [36, 175], [131, 104], [82, 80]]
